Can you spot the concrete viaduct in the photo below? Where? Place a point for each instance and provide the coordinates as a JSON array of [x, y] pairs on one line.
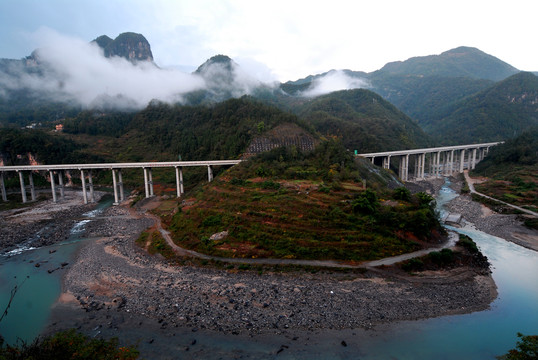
[[441, 160], [86, 171]]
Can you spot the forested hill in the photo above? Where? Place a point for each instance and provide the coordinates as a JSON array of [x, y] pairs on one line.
[[459, 62], [163, 132], [502, 111], [364, 120]]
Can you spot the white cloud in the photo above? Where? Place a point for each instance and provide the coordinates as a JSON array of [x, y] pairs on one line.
[[334, 80]]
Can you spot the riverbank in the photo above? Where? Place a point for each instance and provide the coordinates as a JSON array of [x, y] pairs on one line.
[[117, 289], [507, 226], [42, 224]]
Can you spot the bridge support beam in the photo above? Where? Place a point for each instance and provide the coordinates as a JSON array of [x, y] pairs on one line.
[[83, 180], [473, 163], [146, 184], [90, 185], [404, 167], [179, 180], [61, 184], [462, 160], [115, 186], [3, 187], [53, 186], [150, 177], [386, 162], [120, 184], [209, 173], [23, 187], [32, 187]]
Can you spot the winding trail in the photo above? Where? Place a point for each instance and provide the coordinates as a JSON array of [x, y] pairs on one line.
[[471, 182], [315, 263]]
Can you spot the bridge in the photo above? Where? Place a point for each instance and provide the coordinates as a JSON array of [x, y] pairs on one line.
[[442, 161], [117, 180]]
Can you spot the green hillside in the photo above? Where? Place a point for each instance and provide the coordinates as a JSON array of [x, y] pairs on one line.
[[459, 62], [426, 98], [364, 121], [512, 170], [502, 111]]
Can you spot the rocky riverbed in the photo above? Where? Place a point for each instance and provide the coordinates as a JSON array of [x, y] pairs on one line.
[[43, 224], [507, 226], [116, 289]]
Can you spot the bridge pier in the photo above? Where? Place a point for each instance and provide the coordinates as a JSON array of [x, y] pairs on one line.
[[61, 184], [148, 182], [32, 187], [23, 187], [209, 173], [115, 186], [120, 183], [90, 185], [83, 180], [3, 187], [179, 180]]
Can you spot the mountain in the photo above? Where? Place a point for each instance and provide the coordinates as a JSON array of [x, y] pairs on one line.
[[131, 46], [364, 121], [501, 111], [459, 62]]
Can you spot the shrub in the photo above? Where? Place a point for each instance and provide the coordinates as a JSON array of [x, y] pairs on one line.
[[413, 265], [270, 185], [365, 203], [68, 345], [443, 257], [467, 243], [526, 349], [401, 193], [212, 220]]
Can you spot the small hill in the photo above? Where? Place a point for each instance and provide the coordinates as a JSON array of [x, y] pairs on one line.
[[364, 121], [502, 111], [459, 62], [293, 205]]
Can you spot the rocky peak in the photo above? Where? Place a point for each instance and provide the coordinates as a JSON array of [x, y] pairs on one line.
[[131, 46]]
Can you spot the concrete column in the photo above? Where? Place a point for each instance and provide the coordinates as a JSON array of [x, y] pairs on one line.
[[181, 181], [423, 165], [438, 165], [61, 184], [3, 186], [451, 168], [462, 160], [178, 185], [52, 185], [32, 187], [23, 187], [473, 163], [146, 184], [406, 175], [373, 157], [209, 173], [150, 182], [90, 184], [120, 183], [115, 186], [402, 167], [83, 180]]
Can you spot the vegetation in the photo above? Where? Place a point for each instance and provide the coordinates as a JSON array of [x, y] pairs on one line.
[[511, 168], [15, 145], [526, 349], [504, 110], [68, 345], [448, 258], [286, 204], [364, 120]]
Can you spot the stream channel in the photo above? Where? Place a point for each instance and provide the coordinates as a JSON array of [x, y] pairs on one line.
[[479, 335]]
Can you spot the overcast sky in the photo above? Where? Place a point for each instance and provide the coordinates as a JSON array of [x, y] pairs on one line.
[[284, 40]]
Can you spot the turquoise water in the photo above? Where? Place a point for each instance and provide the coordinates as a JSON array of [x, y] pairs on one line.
[[37, 289], [480, 335]]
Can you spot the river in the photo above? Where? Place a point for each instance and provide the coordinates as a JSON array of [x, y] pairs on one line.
[[479, 335], [27, 270]]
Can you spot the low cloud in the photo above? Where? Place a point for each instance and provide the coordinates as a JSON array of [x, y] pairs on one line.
[[334, 80], [75, 70]]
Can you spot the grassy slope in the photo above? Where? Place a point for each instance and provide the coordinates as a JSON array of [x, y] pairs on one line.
[[300, 211]]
